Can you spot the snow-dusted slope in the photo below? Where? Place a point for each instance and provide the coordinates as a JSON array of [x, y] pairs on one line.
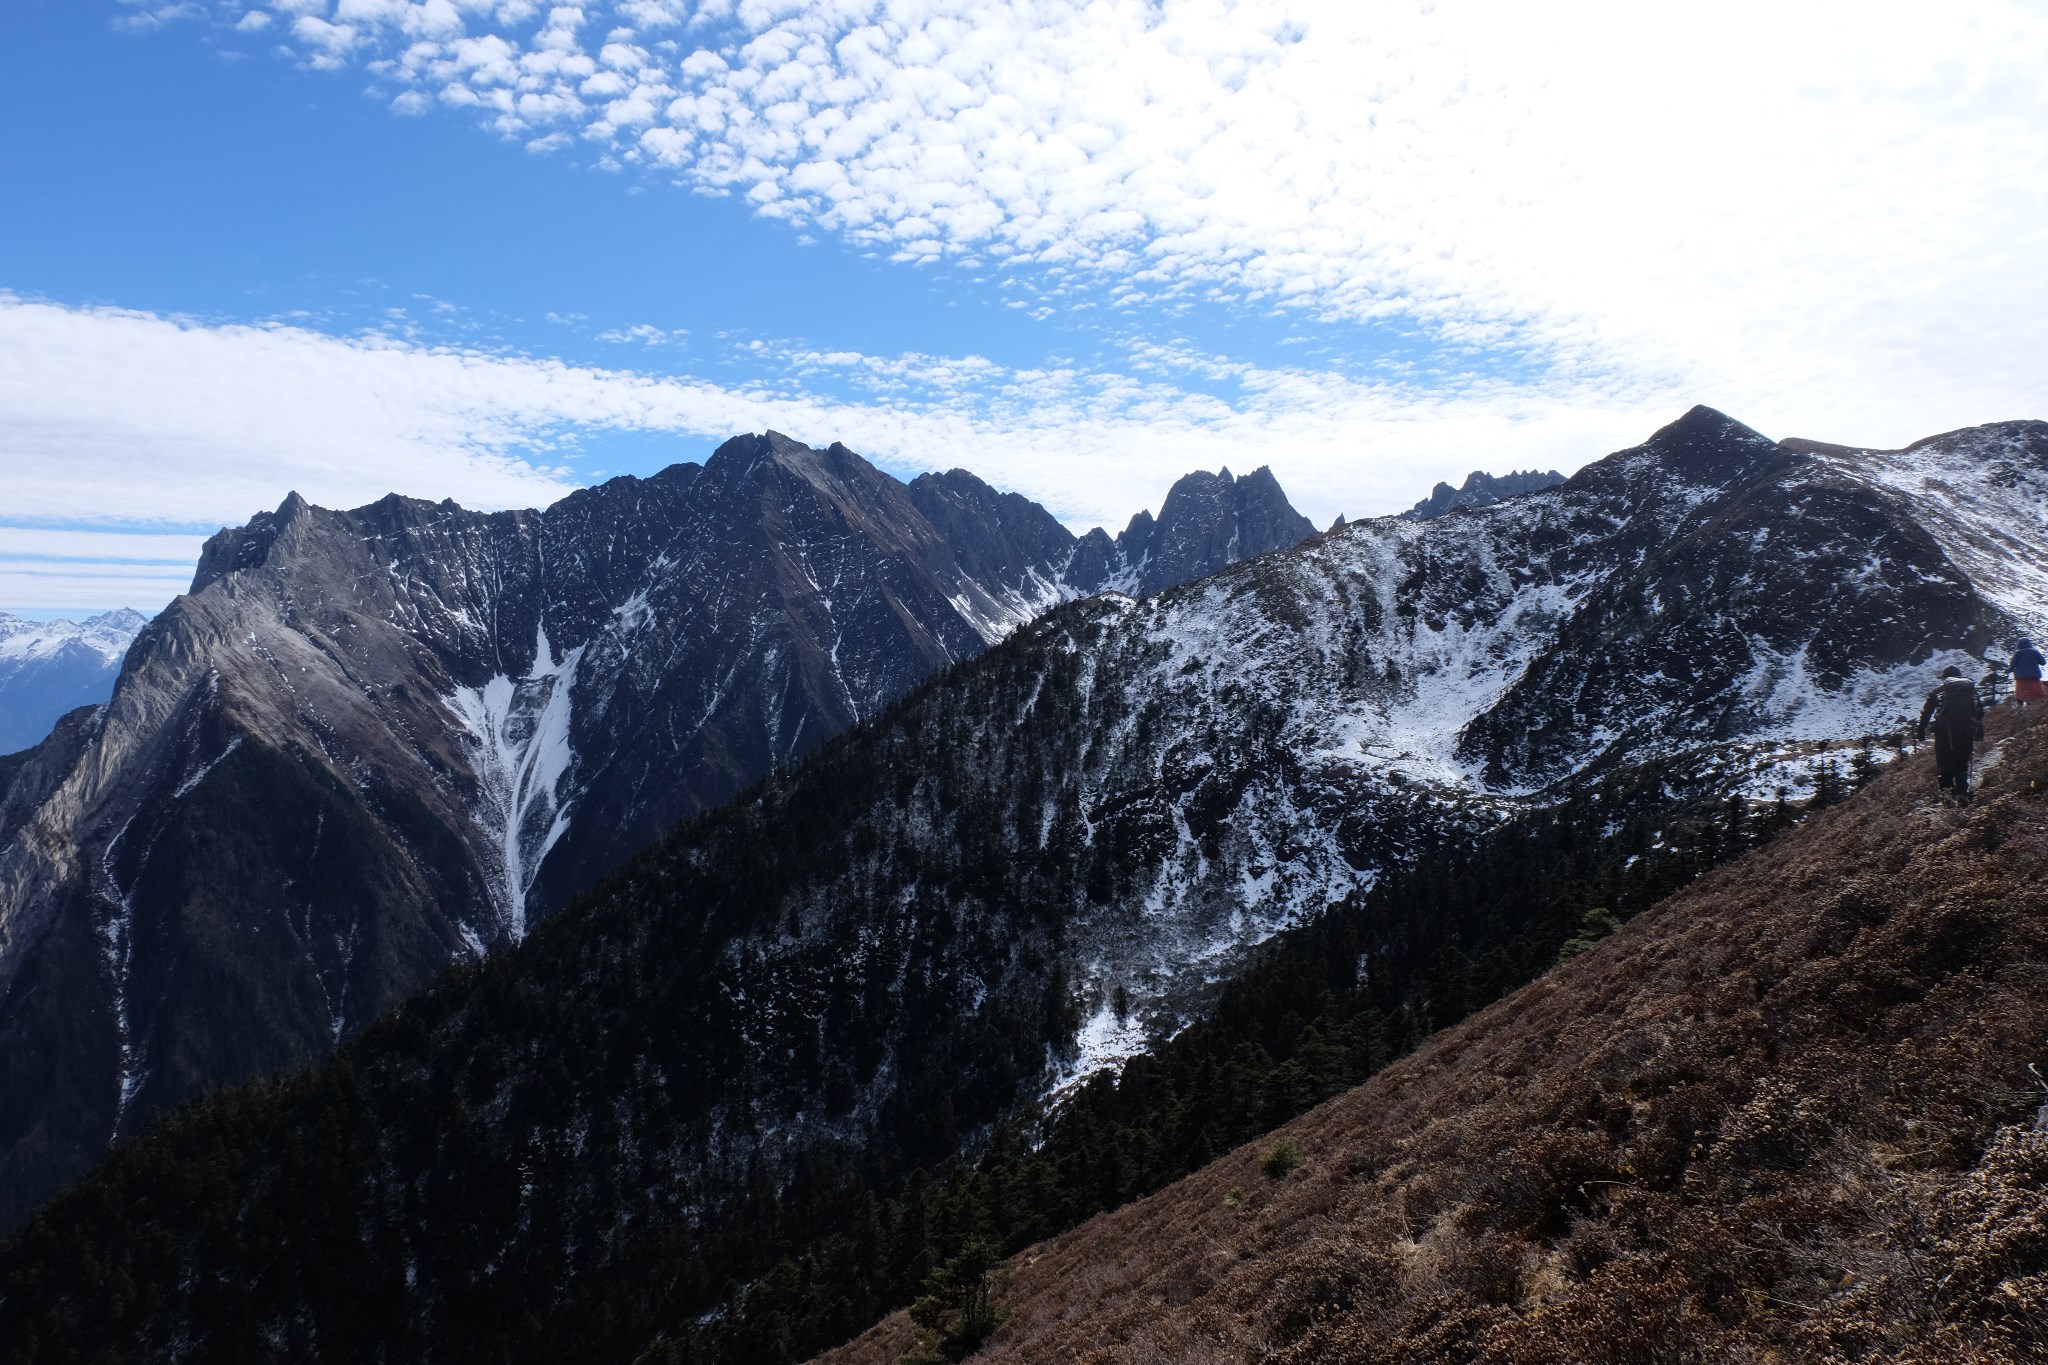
[[1225, 758], [50, 667], [1982, 493], [370, 743]]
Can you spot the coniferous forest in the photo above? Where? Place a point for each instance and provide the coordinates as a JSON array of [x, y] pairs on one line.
[[428, 1193]]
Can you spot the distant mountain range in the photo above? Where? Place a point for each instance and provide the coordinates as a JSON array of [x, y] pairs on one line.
[[50, 667], [368, 744], [1481, 490], [1028, 869]]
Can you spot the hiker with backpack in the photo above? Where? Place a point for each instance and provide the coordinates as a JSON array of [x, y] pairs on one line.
[[2026, 674], [1957, 717]]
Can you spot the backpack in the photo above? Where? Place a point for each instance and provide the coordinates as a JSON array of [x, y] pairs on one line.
[[1959, 707]]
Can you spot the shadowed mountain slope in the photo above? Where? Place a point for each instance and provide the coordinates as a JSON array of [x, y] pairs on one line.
[[371, 743], [1786, 1115]]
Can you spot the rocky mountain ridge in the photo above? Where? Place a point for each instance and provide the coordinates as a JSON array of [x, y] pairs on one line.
[[1481, 489], [50, 667], [371, 743], [1045, 857]]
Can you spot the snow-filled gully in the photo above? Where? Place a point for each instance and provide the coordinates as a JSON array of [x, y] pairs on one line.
[[520, 745]]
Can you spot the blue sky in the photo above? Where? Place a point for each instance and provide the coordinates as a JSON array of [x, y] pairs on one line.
[[490, 249]]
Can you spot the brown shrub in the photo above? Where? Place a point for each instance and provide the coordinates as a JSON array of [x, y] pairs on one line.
[[1782, 1117]]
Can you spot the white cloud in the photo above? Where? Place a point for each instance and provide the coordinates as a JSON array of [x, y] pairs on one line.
[[644, 333], [83, 588], [1826, 214], [115, 420], [139, 547], [93, 569]]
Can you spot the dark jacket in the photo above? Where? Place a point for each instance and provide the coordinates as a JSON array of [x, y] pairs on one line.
[[2026, 663], [1954, 707]]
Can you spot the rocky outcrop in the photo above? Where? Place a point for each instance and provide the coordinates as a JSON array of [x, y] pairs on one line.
[[1481, 489], [1207, 522]]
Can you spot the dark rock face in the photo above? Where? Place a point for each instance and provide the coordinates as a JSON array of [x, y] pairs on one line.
[[1480, 490], [371, 743], [993, 889], [1209, 521], [49, 668]]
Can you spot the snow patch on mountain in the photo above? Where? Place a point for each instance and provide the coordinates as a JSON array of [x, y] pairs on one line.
[[1982, 493], [117, 950], [519, 732], [185, 787], [1104, 1043]]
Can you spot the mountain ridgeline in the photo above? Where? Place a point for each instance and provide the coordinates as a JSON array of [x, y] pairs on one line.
[[371, 743], [1038, 864], [1481, 489]]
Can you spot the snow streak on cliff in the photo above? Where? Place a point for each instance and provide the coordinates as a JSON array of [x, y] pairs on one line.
[[521, 752]]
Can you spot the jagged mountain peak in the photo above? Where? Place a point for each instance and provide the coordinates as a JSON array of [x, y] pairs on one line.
[[747, 452], [121, 618], [1480, 489], [1209, 520], [421, 729], [995, 536]]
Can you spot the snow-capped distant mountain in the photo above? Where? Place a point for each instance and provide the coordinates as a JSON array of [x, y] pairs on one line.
[[50, 667], [370, 743]]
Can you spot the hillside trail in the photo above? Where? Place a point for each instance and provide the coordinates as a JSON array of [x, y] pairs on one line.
[[1785, 1115]]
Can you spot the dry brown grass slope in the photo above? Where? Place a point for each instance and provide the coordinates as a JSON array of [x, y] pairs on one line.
[[1784, 1116]]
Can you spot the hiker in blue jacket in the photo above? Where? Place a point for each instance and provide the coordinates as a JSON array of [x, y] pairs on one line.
[[2026, 673], [1957, 717]]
